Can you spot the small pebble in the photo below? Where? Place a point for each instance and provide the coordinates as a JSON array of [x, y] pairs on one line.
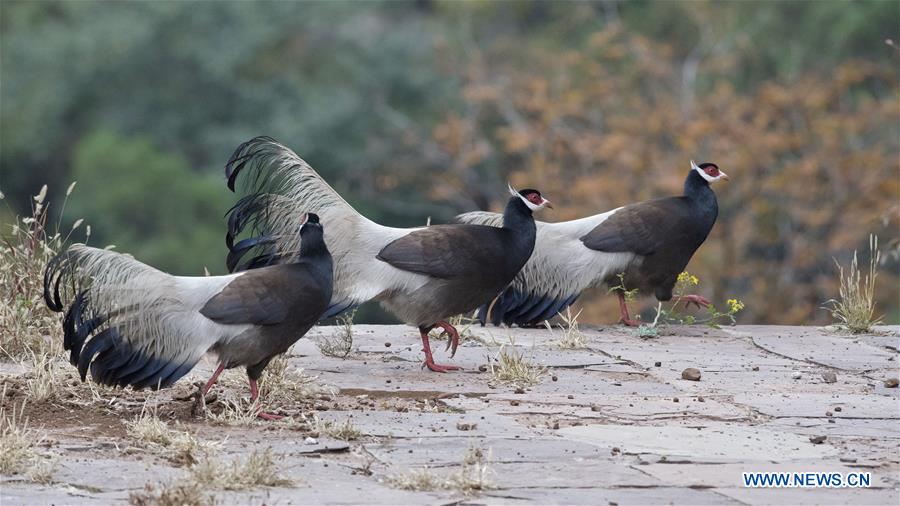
[[554, 378], [674, 399], [570, 396], [829, 377], [466, 426], [691, 374], [828, 413], [838, 408], [387, 345], [817, 440], [595, 408], [311, 441], [482, 368], [513, 402], [756, 368], [519, 390], [658, 364], [615, 450], [701, 399], [891, 383], [796, 375]]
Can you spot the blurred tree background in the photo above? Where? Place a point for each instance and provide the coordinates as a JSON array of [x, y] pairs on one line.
[[424, 109]]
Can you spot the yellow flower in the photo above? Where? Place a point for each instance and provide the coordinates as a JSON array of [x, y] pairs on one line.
[[735, 305], [688, 278]]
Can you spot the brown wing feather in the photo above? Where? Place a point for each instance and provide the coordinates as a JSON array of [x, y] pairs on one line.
[[260, 297], [447, 251], [636, 228]]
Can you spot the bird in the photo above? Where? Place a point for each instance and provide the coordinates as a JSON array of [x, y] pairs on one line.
[[648, 243], [422, 275], [132, 324]]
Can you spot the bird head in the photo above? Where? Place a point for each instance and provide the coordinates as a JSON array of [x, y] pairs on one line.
[[709, 171], [531, 198], [309, 220]]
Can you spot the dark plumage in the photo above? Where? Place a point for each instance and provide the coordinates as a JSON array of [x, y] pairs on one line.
[[649, 242], [133, 325]]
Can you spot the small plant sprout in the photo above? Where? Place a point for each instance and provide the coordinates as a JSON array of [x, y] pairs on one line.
[[714, 317], [630, 295], [177, 493], [340, 343], [572, 337], [511, 366], [855, 309]]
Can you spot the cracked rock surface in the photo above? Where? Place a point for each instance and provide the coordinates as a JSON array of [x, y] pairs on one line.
[[612, 423]]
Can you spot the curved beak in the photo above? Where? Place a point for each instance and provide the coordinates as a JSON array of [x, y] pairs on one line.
[[724, 176], [547, 204]]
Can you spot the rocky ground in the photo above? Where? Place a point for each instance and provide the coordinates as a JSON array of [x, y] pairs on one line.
[[612, 423]]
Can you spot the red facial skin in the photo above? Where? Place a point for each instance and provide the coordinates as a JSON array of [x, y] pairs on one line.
[[712, 171]]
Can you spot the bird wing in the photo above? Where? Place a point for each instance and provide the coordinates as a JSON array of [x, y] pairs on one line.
[[262, 297], [559, 269], [637, 228], [447, 251]]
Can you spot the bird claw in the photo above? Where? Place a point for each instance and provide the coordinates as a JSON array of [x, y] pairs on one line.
[[698, 300], [629, 322], [440, 368]]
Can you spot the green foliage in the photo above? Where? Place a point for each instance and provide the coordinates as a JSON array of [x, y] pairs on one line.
[[147, 203]]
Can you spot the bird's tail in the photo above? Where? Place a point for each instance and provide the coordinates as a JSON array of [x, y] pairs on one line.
[[124, 320], [278, 188]]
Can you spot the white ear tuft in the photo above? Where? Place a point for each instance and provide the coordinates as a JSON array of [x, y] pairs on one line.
[[512, 191], [694, 166]]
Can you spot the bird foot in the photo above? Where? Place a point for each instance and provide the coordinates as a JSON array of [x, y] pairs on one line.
[[453, 341], [700, 301], [440, 368], [628, 322], [269, 416]]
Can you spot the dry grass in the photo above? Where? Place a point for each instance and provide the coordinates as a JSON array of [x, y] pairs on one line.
[[572, 337], [257, 470], [511, 366], [19, 444], [178, 446], [181, 493], [26, 324], [855, 309], [47, 376], [340, 343], [473, 476], [344, 431]]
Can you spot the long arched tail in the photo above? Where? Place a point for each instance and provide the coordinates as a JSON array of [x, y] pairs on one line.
[[278, 187], [126, 321]]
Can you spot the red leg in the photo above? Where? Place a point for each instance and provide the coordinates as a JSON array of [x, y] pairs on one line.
[[695, 299], [254, 396], [429, 360], [623, 312], [212, 381], [453, 341]]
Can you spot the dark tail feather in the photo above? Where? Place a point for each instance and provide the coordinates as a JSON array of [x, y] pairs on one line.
[[242, 155], [53, 274]]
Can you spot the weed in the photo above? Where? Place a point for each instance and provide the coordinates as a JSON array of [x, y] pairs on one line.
[[855, 309], [46, 377], [630, 295], [572, 337], [25, 321], [472, 477], [257, 470], [180, 493], [511, 366], [18, 447], [340, 343], [713, 317], [344, 431], [151, 433]]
